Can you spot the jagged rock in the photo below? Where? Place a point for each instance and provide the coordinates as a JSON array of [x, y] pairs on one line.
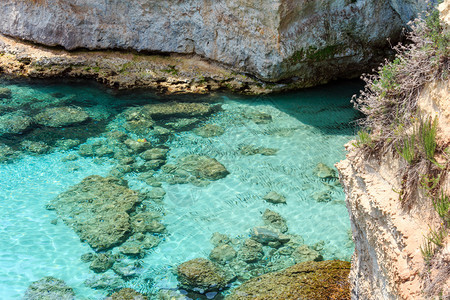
[[137, 146], [35, 147], [209, 130], [5, 93], [67, 144], [157, 193], [49, 288], [305, 253], [274, 197], [101, 263], [136, 245], [325, 172], [222, 254], [309, 280], [154, 154], [127, 269], [252, 150], [87, 257], [15, 122], [127, 294], [97, 209], [218, 239], [61, 116], [274, 220], [251, 251], [138, 120], [201, 274], [147, 222], [203, 167]]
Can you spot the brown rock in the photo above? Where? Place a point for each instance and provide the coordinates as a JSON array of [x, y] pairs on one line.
[[309, 280], [201, 273], [127, 294]]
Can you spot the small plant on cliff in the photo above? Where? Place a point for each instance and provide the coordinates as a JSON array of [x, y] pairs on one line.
[[441, 204]]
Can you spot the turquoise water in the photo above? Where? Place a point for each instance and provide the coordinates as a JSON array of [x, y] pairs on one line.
[[307, 128]]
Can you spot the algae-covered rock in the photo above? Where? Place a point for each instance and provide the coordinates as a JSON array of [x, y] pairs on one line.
[[265, 235], [203, 167], [35, 147], [61, 116], [127, 294], [6, 153], [252, 150], [176, 110], [14, 123], [305, 253], [98, 210], [218, 239], [274, 197], [209, 130], [309, 280], [5, 93], [274, 220], [49, 288], [201, 274], [101, 263], [325, 172], [154, 154], [109, 283], [251, 251]]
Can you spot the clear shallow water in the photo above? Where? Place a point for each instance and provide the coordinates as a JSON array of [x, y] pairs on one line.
[[307, 128]]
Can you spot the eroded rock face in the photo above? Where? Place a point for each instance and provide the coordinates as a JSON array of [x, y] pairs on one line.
[[273, 39], [309, 280], [49, 288], [98, 210]]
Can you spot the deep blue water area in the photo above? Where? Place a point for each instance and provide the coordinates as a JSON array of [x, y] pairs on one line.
[[53, 134]]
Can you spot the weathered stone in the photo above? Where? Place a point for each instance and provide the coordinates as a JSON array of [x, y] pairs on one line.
[[97, 209], [147, 222], [101, 263], [222, 254], [35, 147], [203, 167], [126, 269], [109, 283], [6, 153], [274, 220], [265, 235], [67, 144], [305, 253], [157, 193], [274, 197], [251, 251], [137, 146], [259, 117], [15, 122], [87, 257], [201, 274], [218, 239], [309, 280], [182, 124], [49, 288], [177, 110], [252, 150], [322, 196], [154, 154], [127, 294], [5, 93], [61, 116], [209, 130]]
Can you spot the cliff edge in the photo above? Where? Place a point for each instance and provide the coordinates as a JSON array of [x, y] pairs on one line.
[[310, 42], [396, 175]]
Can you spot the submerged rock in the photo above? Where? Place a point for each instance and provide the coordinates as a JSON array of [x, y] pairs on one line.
[[274, 197], [274, 220], [14, 123], [203, 167], [265, 235], [252, 150], [309, 280], [325, 172], [127, 294], [218, 239], [98, 210], [6, 153], [109, 283], [5, 93], [222, 254], [305, 253], [251, 251], [177, 110], [201, 274], [101, 263], [49, 288], [35, 147], [147, 222], [61, 116], [259, 117], [209, 130]]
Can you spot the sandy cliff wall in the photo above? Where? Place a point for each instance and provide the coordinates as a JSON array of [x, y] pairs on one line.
[[388, 262], [313, 40]]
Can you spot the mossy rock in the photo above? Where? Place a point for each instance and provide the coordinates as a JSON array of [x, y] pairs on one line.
[[127, 294], [308, 280]]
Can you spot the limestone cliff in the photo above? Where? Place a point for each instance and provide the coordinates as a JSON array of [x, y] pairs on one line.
[[390, 236], [313, 41]]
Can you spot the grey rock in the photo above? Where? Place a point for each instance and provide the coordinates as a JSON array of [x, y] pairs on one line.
[[5, 93], [222, 254], [61, 116], [325, 172], [305, 253], [251, 251], [265, 235], [49, 288], [154, 154], [274, 220], [101, 263], [209, 130], [35, 147], [201, 274], [274, 197], [14, 123], [218, 239]]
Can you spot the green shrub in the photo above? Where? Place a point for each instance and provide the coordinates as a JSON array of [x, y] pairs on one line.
[[441, 204], [428, 130], [407, 150]]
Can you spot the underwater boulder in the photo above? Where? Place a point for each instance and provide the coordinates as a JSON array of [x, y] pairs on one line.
[[6, 153], [218, 239], [61, 116], [35, 147], [98, 210], [203, 167], [177, 110], [325, 172], [252, 150], [209, 130], [49, 288], [304, 253], [251, 251], [15, 122], [201, 274], [127, 294], [101, 263], [5, 93], [275, 198], [309, 280], [222, 254]]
